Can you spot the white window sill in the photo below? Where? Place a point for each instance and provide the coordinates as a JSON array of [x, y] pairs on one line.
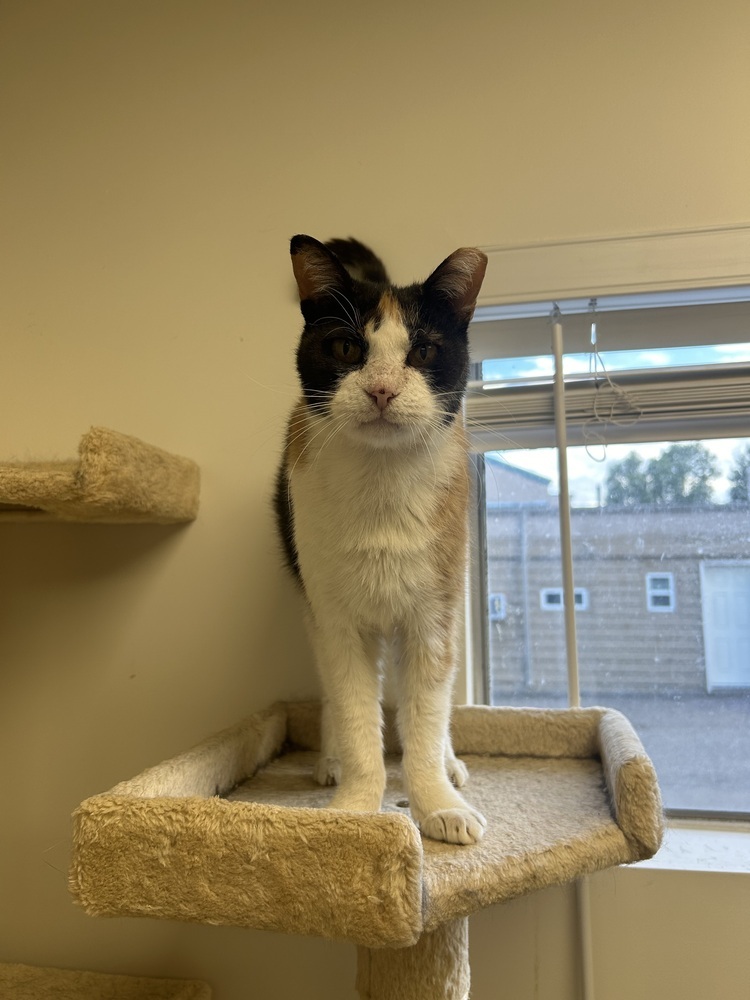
[[707, 846]]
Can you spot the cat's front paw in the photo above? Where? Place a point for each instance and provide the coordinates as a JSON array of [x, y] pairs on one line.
[[457, 771], [454, 826], [327, 771]]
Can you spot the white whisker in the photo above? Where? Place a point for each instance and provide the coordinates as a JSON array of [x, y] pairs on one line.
[[349, 307], [321, 430]]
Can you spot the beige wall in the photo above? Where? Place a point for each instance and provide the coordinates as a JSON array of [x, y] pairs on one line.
[[156, 157]]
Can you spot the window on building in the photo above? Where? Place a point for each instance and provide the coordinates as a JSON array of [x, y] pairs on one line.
[[498, 607], [553, 599], [660, 591], [659, 468]]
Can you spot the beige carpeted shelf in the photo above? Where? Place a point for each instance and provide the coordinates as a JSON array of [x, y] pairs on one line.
[[116, 479], [30, 982], [236, 832]]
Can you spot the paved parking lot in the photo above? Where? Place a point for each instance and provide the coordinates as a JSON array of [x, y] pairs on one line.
[[700, 744]]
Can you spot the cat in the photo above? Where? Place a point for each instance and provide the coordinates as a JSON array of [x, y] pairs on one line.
[[371, 504]]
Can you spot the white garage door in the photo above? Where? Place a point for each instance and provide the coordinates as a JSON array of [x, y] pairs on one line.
[[725, 591]]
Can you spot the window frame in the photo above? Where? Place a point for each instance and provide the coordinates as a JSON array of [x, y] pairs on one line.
[[654, 592]]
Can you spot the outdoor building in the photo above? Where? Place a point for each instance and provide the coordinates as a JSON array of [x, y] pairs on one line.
[[662, 593]]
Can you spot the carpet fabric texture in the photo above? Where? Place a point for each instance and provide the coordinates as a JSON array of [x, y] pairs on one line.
[[116, 479], [235, 831], [436, 968], [28, 982]]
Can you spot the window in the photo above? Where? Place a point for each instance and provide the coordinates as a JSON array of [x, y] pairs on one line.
[[660, 591], [553, 599], [498, 607], [659, 468]]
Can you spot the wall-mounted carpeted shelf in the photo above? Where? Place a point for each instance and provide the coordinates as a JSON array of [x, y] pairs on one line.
[[236, 832], [116, 479], [30, 982]]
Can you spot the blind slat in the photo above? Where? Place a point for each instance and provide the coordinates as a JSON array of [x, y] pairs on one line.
[[627, 406]]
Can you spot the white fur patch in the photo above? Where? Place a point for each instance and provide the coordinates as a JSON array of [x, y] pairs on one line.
[[363, 525]]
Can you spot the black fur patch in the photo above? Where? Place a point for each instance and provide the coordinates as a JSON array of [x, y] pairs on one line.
[[360, 261], [282, 504], [341, 313]]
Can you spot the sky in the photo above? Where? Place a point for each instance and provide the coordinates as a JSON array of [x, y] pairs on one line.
[[511, 368]]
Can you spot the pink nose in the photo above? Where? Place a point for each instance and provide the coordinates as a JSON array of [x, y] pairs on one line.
[[381, 396]]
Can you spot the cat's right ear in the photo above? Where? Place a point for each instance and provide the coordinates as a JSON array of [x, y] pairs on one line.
[[456, 282], [317, 269]]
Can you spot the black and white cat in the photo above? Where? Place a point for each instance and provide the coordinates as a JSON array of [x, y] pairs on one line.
[[372, 507]]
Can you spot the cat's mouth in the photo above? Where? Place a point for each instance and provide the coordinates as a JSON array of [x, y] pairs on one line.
[[382, 426]]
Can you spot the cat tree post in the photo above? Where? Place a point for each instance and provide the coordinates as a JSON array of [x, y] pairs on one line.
[[435, 968]]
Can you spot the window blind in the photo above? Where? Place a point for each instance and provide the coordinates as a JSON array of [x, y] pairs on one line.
[[526, 331], [631, 406]]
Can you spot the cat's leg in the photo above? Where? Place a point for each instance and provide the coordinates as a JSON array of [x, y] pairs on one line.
[[328, 767], [351, 685], [426, 677]]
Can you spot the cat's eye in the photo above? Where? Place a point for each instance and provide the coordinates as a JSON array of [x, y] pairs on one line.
[[421, 355], [345, 350]]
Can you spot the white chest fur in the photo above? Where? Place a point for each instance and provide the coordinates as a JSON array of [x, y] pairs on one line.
[[364, 526]]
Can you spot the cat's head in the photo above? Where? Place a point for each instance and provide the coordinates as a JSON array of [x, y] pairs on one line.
[[387, 364]]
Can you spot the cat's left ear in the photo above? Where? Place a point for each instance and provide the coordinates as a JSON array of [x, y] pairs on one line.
[[317, 269], [456, 282]]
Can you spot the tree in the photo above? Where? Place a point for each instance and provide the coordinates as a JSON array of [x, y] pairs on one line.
[[739, 476], [681, 474], [626, 484]]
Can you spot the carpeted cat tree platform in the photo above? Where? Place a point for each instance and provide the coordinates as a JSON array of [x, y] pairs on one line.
[[116, 479], [235, 831], [29, 982]]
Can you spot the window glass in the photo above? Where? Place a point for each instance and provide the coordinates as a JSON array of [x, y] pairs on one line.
[[657, 527]]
